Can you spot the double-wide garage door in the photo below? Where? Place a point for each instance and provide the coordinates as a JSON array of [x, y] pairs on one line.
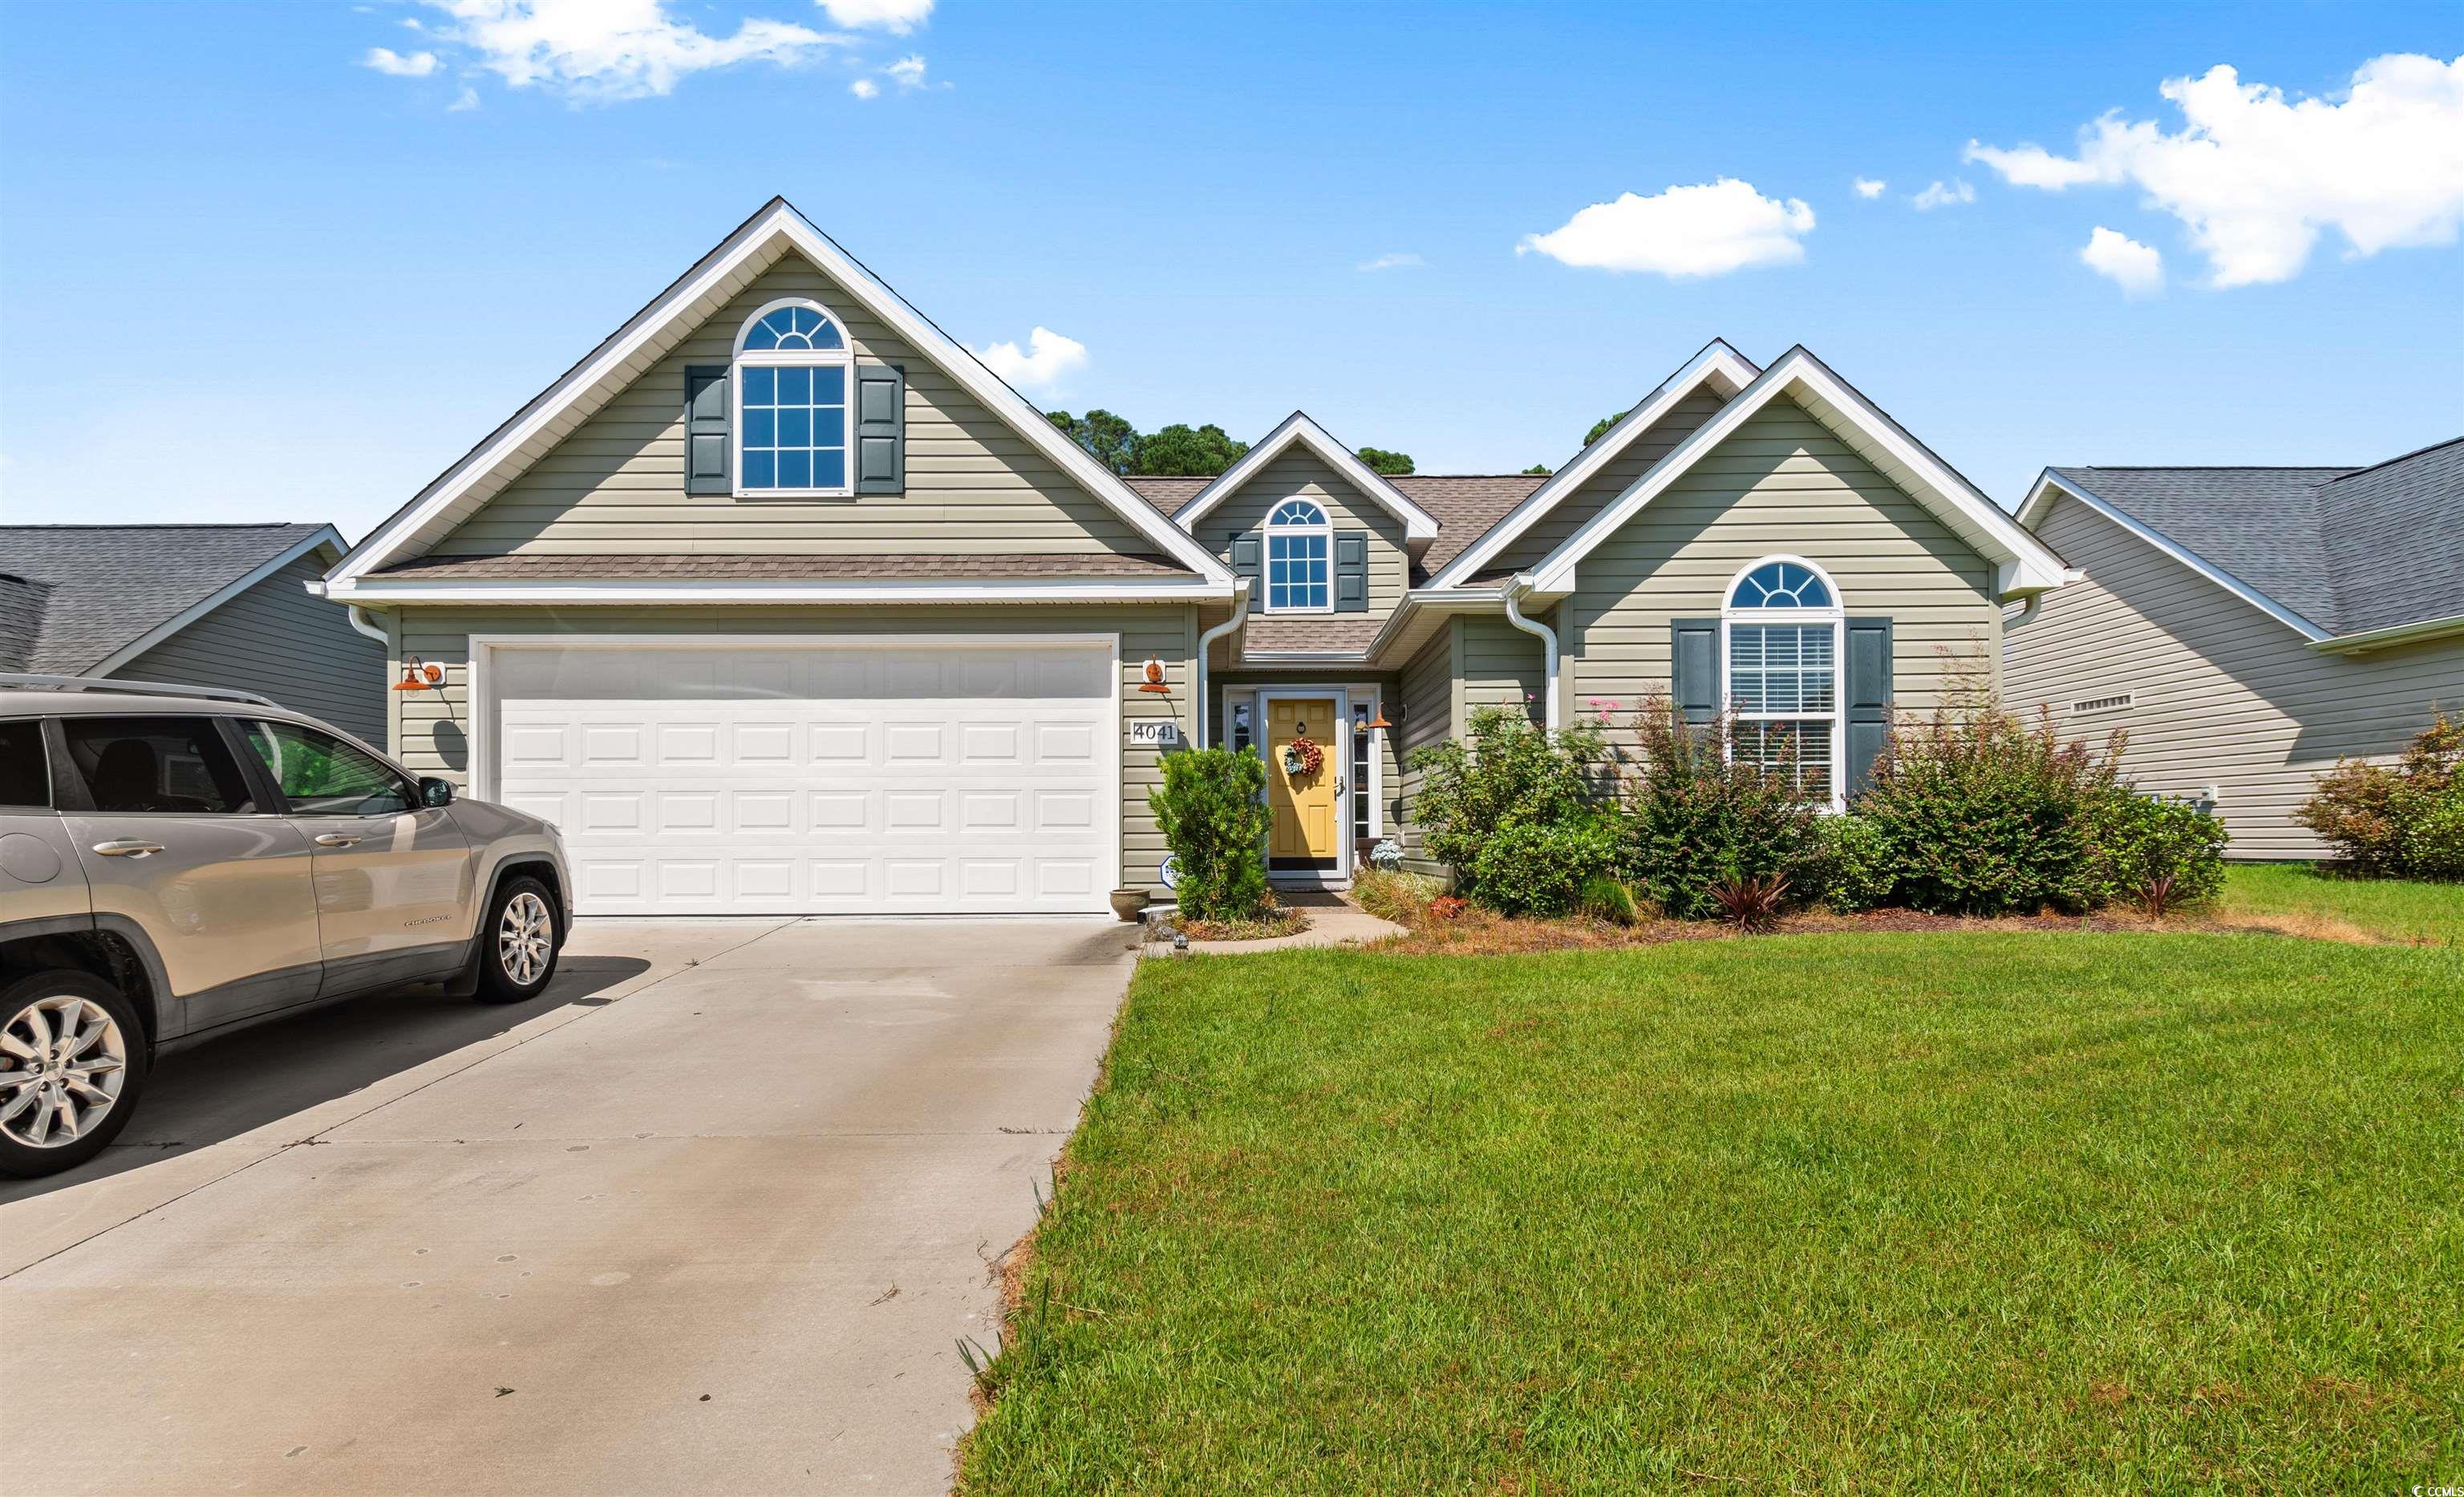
[[839, 777]]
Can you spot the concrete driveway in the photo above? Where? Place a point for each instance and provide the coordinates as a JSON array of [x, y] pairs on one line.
[[710, 1214]]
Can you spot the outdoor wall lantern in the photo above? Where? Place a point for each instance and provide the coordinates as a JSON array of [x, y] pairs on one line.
[[418, 675]]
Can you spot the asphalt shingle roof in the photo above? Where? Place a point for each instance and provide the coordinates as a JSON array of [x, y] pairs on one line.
[[1464, 505], [2348, 549], [82, 592]]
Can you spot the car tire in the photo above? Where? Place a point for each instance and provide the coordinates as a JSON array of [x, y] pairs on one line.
[[520, 940], [50, 1117]]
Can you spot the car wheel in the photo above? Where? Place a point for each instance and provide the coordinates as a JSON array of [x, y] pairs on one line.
[[518, 942], [72, 1064]]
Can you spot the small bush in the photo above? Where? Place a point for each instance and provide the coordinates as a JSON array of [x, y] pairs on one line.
[[1750, 904], [1612, 899], [1697, 816], [1506, 773], [1403, 898], [2403, 820], [1982, 814], [1851, 868], [1215, 822], [1528, 868], [2152, 853]]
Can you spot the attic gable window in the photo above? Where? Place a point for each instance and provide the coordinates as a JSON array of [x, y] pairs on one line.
[[1299, 559], [791, 402]]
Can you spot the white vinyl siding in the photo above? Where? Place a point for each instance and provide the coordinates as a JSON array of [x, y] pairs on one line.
[[2219, 694]]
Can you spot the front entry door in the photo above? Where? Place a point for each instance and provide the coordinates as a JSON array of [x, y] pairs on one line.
[[1308, 828]]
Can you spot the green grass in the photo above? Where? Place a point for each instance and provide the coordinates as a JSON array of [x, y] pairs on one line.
[[2397, 909], [1987, 1212]]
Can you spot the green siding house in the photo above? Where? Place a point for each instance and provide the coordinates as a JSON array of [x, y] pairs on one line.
[[780, 601]]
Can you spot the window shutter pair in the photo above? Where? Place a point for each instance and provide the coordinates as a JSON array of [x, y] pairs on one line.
[[879, 445], [1696, 669], [1351, 572]]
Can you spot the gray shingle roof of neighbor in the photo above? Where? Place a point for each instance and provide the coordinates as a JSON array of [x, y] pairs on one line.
[[86, 591], [2348, 549]]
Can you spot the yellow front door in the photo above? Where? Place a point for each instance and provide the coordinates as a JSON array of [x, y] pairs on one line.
[[1307, 824]]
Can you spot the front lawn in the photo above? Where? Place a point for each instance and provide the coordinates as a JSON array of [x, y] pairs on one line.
[[1990, 1210], [2392, 909]]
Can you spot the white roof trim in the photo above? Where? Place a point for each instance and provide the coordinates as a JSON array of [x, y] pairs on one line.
[[383, 592], [325, 538], [2050, 484], [2027, 565], [406, 534], [1717, 360], [2393, 634], [1419, 527]]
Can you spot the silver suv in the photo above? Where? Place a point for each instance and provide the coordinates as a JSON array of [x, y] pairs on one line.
[[176, 862]]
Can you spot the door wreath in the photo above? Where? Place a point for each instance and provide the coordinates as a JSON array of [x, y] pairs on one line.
[[1302, 756]]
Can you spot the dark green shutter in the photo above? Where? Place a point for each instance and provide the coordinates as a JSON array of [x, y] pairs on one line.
[[1351, 572], [880, 429], [1249, 559], [1865, 714], [1694, 668], [706, 444]]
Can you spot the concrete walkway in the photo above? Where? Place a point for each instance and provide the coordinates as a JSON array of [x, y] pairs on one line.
[[709, 1215], [1334, 921]]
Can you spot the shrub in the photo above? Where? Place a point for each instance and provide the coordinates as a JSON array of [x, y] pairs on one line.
[[1612, 899], [1851, 868], [2403, 820], [2153, 853], [1215, 821], [1506, 773], [1750, 904], [1697, 816], [1529, 868], [1980, 813], [1403, 898]]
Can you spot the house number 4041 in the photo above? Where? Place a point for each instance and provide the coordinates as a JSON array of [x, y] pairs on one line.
[[1163, 733]]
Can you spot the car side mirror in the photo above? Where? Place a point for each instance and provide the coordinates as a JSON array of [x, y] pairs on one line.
[[434, 792]]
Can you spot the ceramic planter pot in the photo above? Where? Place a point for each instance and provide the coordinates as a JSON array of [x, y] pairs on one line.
[[1127, 902]]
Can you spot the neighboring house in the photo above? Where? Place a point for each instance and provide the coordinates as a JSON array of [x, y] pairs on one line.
[[2249, 625], [780, 601], [199, 605]]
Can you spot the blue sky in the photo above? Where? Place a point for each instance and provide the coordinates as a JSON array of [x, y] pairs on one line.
[[246, 275]]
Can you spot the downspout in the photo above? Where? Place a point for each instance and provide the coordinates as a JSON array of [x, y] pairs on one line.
[[1207, 641], [368, 626], [1515, 591]]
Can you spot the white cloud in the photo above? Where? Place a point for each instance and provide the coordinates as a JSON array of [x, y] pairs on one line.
[[865, 88], [1870, 186], [1706, 229], [1048, 359], [2257, 177], [1942, 195], [600, 50], [900, 16], [2138, 269], [1400, 260], [465, 102], [907, 72], [393, 64]]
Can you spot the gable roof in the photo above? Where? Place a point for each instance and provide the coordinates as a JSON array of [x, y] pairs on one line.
[[85, 599], [1419, 527], [2330, 552], [1717, 365], [776, 230], [2023, 563], [1464, 505]]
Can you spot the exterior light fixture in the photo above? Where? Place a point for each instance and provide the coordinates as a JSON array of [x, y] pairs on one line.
[[1155, 682], [418, 675]]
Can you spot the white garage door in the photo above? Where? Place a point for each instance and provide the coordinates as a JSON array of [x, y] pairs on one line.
[[942, 777]]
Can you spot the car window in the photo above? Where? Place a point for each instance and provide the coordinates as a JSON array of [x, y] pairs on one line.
[[25, 776], [156, 764], [320, 775]]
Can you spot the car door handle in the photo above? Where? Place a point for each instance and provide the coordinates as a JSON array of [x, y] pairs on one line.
[[127, 847], [337, 839]]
